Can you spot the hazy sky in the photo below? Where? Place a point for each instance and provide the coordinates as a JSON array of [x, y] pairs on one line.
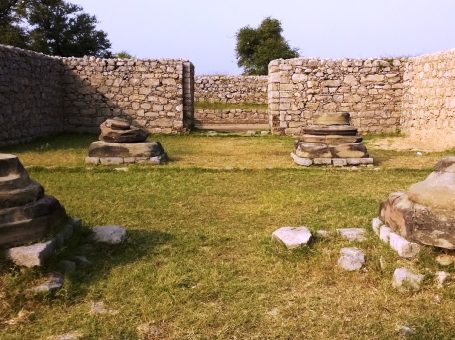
[[203, 31]]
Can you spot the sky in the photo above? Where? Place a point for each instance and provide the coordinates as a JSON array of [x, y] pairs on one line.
[[204, 31]]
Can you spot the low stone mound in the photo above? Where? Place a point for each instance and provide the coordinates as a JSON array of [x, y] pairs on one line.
[[26, 214], [122, 143], [426, 212], [332, 141]]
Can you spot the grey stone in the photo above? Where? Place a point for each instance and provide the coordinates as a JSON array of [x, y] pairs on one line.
[[292, 237], [111, 234], [125, 150], [403, 247], [352, 234], [301, 161], [31, 256], [384, 234], [405, 330], [403, 278], [322, 161], [92, 160], [376, 224], [53, 282], [351, 259], [339, 162], [441, 278]]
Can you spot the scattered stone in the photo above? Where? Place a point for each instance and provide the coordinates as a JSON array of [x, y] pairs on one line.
[[426, 213], [99, 308], [403, 247], [352, 234], [376, 223], [292, 237], [111, 234], [67, 267], [441, 277], [31, 256], [384, 234], [300, 160], [403, 278], [53, 282], [323, 233], [351, 259], [405, 330], [445, 260]]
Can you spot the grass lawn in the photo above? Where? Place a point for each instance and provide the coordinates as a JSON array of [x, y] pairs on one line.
[[199, 263]]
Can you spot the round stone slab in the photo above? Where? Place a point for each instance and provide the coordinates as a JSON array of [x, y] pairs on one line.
[[22, 196], [117, 123], [9, 164], [332, 119], [343, 130], [349, 150], [330, 139]]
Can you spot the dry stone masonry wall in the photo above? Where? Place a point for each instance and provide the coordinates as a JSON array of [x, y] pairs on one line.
[[429, 96], [231, 89], [31, 95], [370, 90], [150, 92]]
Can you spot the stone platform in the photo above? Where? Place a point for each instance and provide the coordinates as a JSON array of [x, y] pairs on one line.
[[331, 141], [26, 214], [426, 212], [121, 143]]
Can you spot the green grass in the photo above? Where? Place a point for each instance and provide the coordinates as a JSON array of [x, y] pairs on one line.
[[199, 263], [201, 105]]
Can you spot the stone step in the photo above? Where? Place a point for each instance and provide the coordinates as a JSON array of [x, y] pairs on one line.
[[14, 181], [332, 119], [31, 230], [330, 139], [10, 164], [104, 149], [21, 196], [42, 207], [342, 130]]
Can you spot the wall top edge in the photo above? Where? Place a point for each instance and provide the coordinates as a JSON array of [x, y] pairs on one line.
[[86, 58]]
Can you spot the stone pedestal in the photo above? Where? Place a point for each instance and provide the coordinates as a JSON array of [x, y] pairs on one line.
[[426, 212], [26, 214], [331, 141], [122, 143]]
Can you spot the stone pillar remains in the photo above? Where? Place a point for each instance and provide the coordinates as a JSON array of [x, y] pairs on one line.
[[122, 143], [331, 141], [27, 215]]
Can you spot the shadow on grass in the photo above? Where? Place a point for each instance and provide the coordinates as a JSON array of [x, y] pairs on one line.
[[64, 141]]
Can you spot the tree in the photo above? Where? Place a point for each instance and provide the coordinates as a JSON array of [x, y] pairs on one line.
[[123, 55], [256, 47], [53, 27], [11, 33]]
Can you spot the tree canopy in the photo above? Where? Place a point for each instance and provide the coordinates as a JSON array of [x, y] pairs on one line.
[[256, 47], [54, 27]]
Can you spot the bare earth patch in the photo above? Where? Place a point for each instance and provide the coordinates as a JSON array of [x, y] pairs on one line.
[[418, 141]]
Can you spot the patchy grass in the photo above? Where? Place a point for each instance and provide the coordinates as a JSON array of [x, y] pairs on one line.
[[229, 106], [199, 262]]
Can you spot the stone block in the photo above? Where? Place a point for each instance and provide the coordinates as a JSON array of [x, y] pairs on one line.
[[111, 234], [322, 161], [31, 256], [111, 160], [351, 259], [405, 279], [339, 162], [92, 160], [292, 237], [301, 161], [403, 247]]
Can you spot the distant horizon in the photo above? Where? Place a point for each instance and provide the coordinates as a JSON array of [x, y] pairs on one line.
[[204, 32]]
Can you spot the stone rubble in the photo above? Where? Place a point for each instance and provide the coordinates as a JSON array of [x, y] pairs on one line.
[[292, 237], [404, 279], [351, 259], [111, 234]]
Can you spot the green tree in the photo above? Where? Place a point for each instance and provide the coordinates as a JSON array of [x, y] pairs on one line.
[[11, 33], [60, 28], [256, 47], [123, 55]]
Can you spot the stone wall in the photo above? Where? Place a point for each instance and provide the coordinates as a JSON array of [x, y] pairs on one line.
[[231, 119], [370, 90], [154, 94], [429, 96], [231, 89], [30, 95]]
